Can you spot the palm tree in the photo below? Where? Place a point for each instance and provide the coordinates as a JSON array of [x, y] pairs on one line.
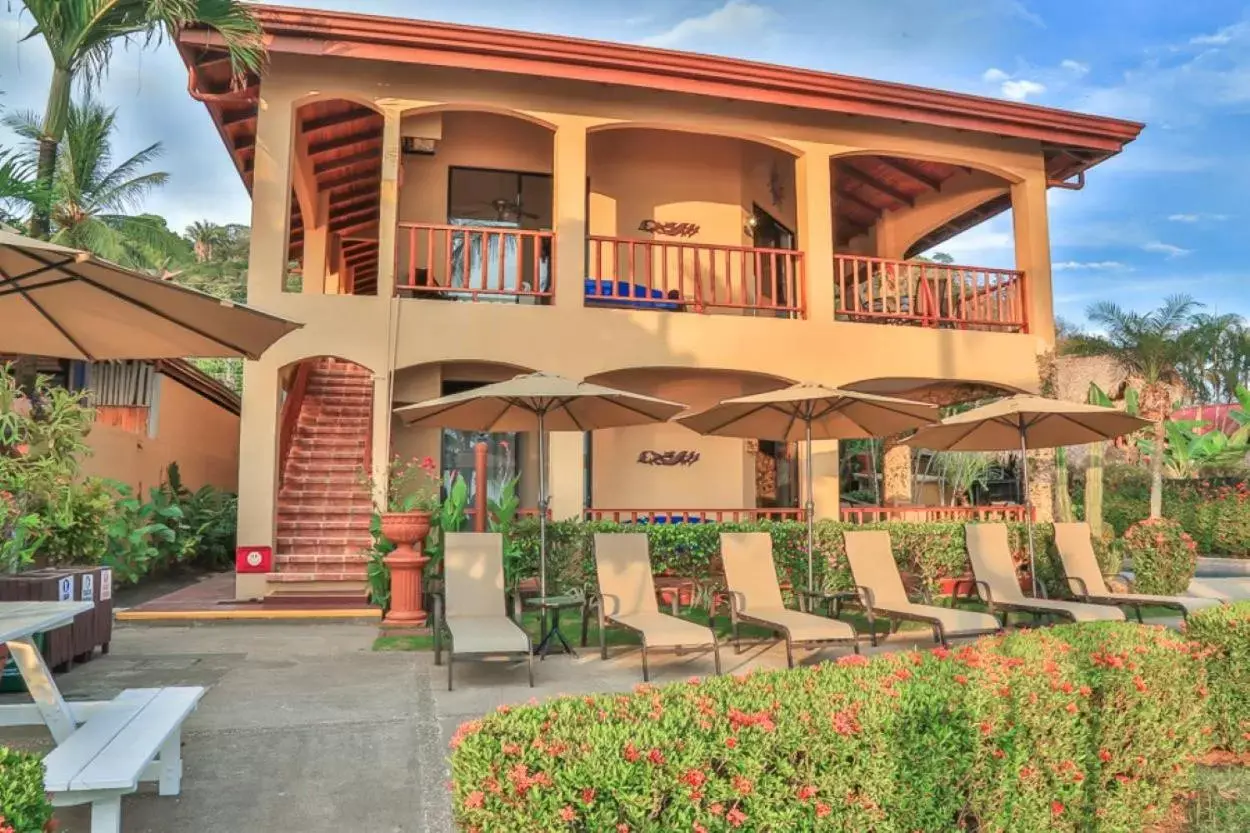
[[91, 199], [205, 236], [1154, 346], [81, 34]]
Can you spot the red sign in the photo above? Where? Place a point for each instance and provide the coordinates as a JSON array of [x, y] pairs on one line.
[[253, 559]]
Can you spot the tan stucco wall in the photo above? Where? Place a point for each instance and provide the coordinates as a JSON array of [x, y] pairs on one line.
[[646, 154], [201, 437]]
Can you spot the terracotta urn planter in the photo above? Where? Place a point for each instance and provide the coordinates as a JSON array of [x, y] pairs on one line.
[[407, 531]]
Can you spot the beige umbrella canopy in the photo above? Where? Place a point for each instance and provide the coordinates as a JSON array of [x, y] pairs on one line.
[[540, 402], [807, 412], [1023, 422], [1039, 422], [68, 304]]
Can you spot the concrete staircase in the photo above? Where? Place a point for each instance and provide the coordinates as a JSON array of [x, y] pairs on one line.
[[324, 505]]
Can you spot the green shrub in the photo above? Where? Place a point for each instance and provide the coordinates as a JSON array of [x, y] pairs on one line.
[[24, 807], [929, 551], [1087, 728], [1164, 557], [1224, 631], [1216, 514]]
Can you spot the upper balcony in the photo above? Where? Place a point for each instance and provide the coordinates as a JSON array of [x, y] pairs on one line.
[[671, 222]]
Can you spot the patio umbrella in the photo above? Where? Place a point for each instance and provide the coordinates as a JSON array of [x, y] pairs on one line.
[[540, 402], [806, 412], [1023, 422], [63, 303]]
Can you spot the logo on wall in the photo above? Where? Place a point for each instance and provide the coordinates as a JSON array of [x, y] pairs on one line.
[[669, 229], [668, 458]]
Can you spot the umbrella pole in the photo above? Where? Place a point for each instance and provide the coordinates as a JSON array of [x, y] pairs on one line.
[[1028, 507], [810, 510], [542, 505]]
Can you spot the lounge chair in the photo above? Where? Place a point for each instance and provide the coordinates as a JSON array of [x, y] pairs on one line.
[[1087, 582], [755, 596], [881, 592], [475, 605], [995, 572], [626, 597]]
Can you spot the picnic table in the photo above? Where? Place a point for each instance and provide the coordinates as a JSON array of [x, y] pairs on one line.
[[103, 749]]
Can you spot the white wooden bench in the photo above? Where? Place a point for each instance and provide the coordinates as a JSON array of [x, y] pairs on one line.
[[103, 749], [136, 737]]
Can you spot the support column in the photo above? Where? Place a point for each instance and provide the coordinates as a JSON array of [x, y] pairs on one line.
[[1042, 483], [388, 205], [826, 491], [316, 240], [569, 174], [271, 196], [258, 468], [380, 438], [566, 472], [816, 231], [1032, 233]]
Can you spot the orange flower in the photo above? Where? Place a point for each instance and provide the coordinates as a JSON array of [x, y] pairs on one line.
[[742, 786], [473, 800], [822, 809], [735, 817], [567, 813], [1104, 756], [588, 795], [1056, 808], [655, 756], [805, 792]]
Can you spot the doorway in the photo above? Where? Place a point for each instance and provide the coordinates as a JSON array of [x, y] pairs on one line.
[[484, 198], [774, 278]]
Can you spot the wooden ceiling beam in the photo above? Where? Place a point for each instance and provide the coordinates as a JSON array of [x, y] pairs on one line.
[[336, 119], [854, 200], [350, 206], [911, 173], [350, 232], [344, 142], [244, 113], [845, 168], [373, 177], [354, 219], [348, 161]]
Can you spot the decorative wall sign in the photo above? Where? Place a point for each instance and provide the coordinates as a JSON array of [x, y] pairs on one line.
[[668, 458], [669, 229]]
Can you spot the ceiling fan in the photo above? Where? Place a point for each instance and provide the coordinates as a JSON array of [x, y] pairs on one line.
[[504, 210]]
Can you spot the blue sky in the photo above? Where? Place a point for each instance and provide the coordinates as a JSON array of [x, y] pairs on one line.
[[1166, 216]]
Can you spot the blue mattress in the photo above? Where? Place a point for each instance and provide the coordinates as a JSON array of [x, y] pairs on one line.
[[605, 293]]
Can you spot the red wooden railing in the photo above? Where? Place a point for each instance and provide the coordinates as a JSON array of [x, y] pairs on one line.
[[471, 263], [621, 516], [291, 406], [694, 277], [923, 294], [929, 514]]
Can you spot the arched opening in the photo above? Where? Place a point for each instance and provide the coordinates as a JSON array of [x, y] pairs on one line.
[[509, 455], [902, 224], [324, 502], [729, 478], [687, 222], [476, 207], [336, 176]]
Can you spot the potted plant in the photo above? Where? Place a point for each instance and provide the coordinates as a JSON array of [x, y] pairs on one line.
[[412, 497]]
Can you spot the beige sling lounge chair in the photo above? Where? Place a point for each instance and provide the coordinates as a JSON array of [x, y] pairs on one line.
[[755, 596], [990, 555], [475, 603], [626, 597], [1087, 582], [881, 592]]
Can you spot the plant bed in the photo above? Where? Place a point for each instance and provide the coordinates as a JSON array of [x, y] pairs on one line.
[[1089, 728]]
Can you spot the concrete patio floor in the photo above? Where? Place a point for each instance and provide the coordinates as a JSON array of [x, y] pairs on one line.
[[306, 728]]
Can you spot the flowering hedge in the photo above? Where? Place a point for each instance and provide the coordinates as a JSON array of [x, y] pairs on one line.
[[1216, 514], [930, 551], [1088, 728], [1225, 632], [1164, 556], [24, 807]]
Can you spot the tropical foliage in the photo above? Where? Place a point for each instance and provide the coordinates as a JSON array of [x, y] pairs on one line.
[[1075, 728], [24, 806], [1225, 631], [81, 35]]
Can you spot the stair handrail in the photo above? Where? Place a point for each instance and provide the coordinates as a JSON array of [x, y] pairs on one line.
[[291, 407]]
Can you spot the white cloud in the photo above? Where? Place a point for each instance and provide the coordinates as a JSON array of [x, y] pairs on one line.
[[1075, 67], [994, 75], [1168, 249], [1194, 218], [735, 18], [1021, 89], [1093, 266], [1221, 37]]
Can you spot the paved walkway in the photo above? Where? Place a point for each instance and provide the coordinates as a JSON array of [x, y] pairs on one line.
[[305, 728]]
